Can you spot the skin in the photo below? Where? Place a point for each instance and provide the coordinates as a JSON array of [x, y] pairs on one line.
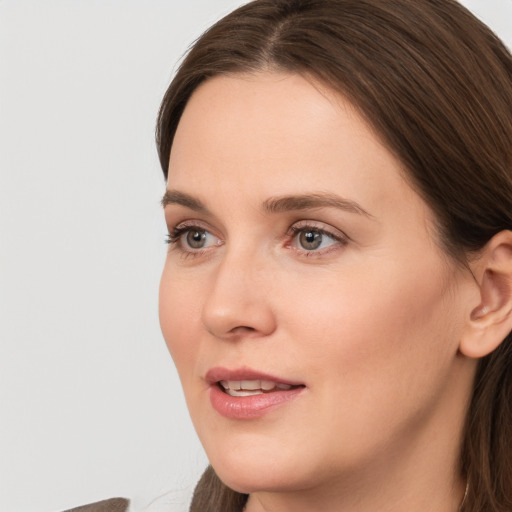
[[370, 322]]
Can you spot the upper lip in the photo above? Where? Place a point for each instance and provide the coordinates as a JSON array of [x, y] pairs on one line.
[[219, 373]]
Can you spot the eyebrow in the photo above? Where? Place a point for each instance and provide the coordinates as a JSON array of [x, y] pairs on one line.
[[275, 204], [311, 201], [182, 199]]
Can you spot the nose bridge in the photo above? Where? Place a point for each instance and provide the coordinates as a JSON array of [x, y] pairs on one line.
[[238, 296]]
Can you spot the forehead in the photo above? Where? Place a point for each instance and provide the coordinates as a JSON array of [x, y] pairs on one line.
[[266, 118], [271, 134]]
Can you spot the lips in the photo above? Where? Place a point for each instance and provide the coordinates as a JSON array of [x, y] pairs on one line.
[[247, 394]]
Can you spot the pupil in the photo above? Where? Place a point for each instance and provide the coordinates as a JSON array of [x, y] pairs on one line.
[[310, 240], [196, 239]]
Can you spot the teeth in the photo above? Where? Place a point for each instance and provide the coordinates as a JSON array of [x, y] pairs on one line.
[[267, 385], [251, 387], [244, 392]]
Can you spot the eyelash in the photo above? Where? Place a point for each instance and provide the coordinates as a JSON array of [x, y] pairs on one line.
[[294, 231], [175, 238]]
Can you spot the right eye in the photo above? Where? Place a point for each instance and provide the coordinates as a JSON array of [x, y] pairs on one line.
[[195, 238], [192, 238]]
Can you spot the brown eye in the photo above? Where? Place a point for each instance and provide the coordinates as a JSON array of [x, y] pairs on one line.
[[310, 240], [196, 238]]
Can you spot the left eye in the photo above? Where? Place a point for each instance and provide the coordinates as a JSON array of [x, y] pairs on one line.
[[309, 239]]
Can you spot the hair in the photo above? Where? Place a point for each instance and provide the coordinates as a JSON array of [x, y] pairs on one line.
[[435, 84]]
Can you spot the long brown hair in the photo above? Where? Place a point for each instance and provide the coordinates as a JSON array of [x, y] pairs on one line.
[[436, 85]]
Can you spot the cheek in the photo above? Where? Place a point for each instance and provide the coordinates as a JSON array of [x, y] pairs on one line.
[[377, 351], [371, 326], [179, 312]]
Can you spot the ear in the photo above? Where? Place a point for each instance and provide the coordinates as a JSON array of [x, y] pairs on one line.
[[491, 321]]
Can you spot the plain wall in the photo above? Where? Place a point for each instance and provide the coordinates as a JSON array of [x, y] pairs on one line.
[[90, 404]]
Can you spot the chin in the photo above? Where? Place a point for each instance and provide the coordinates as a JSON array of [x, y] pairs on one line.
[[259, 465], [248, 478]]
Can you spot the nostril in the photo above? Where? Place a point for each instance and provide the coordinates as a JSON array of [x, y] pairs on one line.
[[242, 329]]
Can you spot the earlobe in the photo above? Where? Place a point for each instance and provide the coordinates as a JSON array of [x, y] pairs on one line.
[[491, 320]]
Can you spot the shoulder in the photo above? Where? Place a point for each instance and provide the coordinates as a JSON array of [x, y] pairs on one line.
[[111, 505]]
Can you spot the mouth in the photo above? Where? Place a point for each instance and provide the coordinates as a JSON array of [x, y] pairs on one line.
[[247, 382], [253, 387], [245, 394]]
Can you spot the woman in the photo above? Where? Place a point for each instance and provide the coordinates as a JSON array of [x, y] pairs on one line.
[[337, 296]]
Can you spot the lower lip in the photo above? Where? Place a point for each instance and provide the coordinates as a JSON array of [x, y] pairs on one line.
[[249, 407]]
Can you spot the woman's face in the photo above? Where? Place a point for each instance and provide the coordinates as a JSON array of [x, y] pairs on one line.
[[302, 263]]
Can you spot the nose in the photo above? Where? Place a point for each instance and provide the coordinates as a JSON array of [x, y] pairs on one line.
[[238, 302]]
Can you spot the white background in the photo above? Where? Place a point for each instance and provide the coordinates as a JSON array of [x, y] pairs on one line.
[[90, 405]]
